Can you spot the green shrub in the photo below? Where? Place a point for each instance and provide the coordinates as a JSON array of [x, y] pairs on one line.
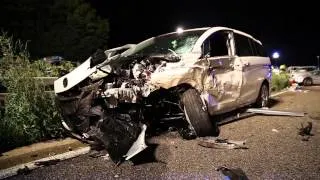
[[30, 114], [279, 81], [45, 69]]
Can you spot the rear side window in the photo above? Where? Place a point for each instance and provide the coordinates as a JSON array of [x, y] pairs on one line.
[[247, 47], [259, 49], [243, 46]]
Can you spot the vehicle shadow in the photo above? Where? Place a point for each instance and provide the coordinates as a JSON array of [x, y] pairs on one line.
[[273, 102], [147, 156]]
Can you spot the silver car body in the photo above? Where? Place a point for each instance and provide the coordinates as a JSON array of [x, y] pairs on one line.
[[109, 95], [225, 82]]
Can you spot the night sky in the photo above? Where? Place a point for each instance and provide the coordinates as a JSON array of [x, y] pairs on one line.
[[290, 28]]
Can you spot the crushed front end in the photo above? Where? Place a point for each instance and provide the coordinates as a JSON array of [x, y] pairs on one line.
[[112, 105]]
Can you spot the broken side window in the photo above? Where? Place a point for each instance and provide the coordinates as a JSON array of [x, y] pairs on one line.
[[216, 45]]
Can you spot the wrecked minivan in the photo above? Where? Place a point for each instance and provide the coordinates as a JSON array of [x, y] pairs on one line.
[[189, 76]]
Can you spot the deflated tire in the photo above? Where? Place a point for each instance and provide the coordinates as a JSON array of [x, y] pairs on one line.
[[197, 115]]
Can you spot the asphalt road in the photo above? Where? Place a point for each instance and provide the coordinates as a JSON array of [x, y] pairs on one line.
[[271, 154]]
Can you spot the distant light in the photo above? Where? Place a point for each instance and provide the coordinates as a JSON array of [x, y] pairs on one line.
[[275, 55], [179, 30]]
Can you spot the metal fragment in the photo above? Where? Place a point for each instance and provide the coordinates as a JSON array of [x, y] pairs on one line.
[[139, 145], [221, 143], [274, 112]]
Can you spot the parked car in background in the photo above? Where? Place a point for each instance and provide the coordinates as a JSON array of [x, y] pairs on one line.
[[188, 76], [293, 69], [305, 77]]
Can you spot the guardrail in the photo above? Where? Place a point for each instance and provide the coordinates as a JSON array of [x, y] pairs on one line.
[[48, 81]]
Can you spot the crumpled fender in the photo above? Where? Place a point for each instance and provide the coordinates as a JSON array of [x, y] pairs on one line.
[[179, 73]]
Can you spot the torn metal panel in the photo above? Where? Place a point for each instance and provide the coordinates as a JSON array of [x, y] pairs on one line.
[[139, 145], [117, 50], [172, 75], [216, 143], [236, 117], [220, 86], [274, 112]]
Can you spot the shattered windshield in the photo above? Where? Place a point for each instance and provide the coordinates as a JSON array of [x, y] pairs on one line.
[[178, 43]]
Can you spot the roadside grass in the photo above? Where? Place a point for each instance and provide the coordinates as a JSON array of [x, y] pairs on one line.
[[30, 113]]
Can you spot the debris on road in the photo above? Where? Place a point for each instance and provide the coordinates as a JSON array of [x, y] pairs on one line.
[[106, 157], [295, 87], [139, 145], [24, 170], [232, 174], [216, 143], [305, 132], [275, 130], [257, 111], [274, 112], [96, 154], [116, 176], [47, 163]]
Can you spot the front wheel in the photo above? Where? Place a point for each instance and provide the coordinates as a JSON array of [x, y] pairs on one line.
[[197, 116]]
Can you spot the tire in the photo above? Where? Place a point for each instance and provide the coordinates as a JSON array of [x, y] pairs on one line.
[[263, 97], [196, 116], [307, 82]]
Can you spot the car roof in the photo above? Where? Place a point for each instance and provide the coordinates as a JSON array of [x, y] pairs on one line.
[[215, 28]]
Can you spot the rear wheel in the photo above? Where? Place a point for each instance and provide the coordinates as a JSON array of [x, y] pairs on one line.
[[307, 82], [263, 98], [197, 115]]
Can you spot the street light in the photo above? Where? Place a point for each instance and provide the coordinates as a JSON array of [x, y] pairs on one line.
[[275, 55], [318, 62], [179, 30]]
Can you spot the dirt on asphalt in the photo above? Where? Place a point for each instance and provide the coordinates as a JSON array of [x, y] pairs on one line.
[[275, 150]]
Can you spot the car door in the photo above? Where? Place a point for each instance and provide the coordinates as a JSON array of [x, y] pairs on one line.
[[225, 76], [255, 67]]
